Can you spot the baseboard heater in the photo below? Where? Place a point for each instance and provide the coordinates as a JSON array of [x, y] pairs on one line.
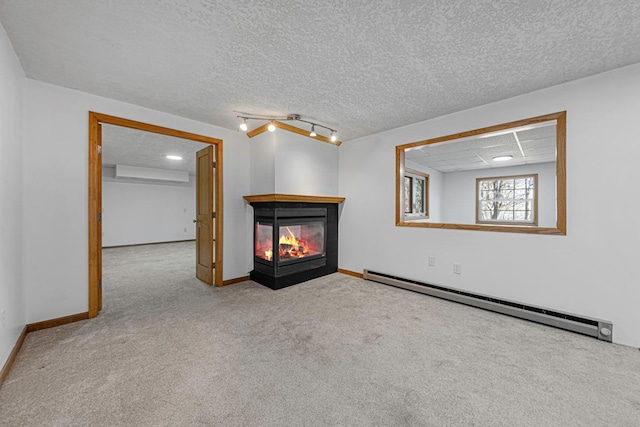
[[597, 328]]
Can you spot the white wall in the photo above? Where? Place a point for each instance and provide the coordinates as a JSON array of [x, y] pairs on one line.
[[12, 302], [283, 162], [305, 166], [262, 163], [460, 192], [146, 212], [55, 219], [591, 271]]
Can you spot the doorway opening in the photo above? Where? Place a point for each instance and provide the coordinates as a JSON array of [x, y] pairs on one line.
[[208, 195]]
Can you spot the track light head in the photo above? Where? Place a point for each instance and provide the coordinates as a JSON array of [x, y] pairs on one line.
[[333, 136], [243, 125], [271, 127], [313, 131]]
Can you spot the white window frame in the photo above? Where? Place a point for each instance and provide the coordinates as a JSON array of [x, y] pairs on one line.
[[512, 201]]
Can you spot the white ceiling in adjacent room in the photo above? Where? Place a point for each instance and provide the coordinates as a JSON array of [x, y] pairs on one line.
[[525, 146], [132, 147], [357, 66]]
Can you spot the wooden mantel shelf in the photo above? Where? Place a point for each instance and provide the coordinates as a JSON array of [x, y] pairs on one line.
[[292, 198]]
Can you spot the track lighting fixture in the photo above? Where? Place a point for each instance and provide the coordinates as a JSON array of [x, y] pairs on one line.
[[291, 117]]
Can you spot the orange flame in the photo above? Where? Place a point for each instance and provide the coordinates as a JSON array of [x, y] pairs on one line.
[[289, 240]]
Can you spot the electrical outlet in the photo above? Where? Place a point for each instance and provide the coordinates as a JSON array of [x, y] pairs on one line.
[[432, 261], [185, 229], [457, 268]]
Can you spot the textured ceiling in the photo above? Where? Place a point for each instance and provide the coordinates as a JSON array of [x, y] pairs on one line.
[[359, 66], [124, 146], [527, 145]]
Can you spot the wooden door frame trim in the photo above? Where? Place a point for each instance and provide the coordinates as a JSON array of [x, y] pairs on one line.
[[95, 193]]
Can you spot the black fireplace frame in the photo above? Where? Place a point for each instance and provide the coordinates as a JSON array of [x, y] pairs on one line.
[[280, 275]]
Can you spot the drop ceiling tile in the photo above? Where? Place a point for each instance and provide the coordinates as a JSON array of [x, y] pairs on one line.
[[546, 132]]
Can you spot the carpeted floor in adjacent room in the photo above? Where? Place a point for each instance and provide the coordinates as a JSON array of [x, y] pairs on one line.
[[168, 350]]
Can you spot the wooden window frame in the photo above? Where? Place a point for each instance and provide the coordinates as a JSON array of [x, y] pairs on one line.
[[561, 189]]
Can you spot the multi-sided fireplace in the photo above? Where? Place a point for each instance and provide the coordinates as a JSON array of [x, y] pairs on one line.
[[295, 238]]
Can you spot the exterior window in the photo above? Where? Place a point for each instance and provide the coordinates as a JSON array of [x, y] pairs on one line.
[[507, 200], [416, 194]]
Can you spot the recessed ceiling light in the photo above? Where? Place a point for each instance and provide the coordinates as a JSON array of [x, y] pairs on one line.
[[502, 158], [174, 157]]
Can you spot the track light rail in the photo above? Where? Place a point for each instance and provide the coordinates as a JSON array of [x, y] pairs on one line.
[[291, 117]]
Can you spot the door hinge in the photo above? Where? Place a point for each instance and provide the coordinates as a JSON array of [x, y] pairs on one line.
[[213, 165], [100, 284], [213, 215], [99, 149], [213, 265], [100, 216]]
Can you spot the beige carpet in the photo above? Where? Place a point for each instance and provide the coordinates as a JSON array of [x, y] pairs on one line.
[[170, 351]]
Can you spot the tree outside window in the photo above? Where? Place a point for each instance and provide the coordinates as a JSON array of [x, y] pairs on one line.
[[507, 200]]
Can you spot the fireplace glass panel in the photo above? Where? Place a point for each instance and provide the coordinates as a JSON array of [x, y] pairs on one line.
[[301, 240], [264, 240]]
